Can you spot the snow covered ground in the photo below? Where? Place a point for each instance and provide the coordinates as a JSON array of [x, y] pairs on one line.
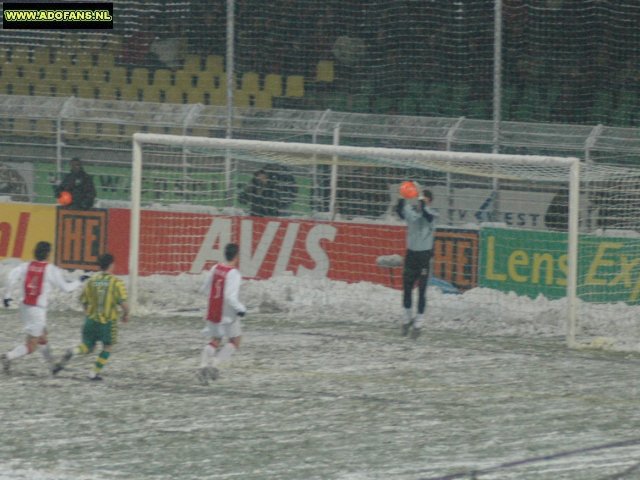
[[325, 387]]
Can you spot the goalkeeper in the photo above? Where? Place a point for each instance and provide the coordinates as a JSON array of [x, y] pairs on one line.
[[420, 220], [104, 298]]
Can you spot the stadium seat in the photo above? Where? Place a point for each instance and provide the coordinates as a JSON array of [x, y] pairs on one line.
[[23, 127], [218, 96], [626, 112], [19, 56], [86, 60], [163, 77], [273, 84], [105, 59], [324, 71], [192, 63], [214, 64], [263, 100], [177, 95], [131, 92], [242, 98], [295, 86], [118, 76], [250, 82], [46, 127], [212, 80], [156, 93], [43, 56], [139, 77], [186, 80], [200, 95]]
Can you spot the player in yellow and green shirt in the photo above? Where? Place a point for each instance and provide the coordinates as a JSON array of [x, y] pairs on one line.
[[105, 300]]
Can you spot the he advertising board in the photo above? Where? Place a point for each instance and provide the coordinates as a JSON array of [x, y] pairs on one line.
[[81, 236]]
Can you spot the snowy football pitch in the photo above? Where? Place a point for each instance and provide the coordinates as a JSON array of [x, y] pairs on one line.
[[319, 398]]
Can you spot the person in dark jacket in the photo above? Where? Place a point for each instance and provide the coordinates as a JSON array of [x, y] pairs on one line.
[[262, 195], [80, 185]]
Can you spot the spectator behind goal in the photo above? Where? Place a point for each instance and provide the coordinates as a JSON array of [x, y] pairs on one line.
[[80, 185]]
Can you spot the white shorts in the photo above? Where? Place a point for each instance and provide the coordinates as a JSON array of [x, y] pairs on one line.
[[220, 330], [34, 319]]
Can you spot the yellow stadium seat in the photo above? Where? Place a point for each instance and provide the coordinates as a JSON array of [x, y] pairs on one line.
[[23, 127], [263, 100], [105, 59], [192, 63], [118, 76], [131, 92], [214, 64], [86, 60], [46, 127], [324, 71], [177, 95], [241, 98], [212, 80], [273, 84], [295, 86], [156, 93], [20, 55], [162, 77], [250, 82], [218, 96], [139, 77], [19, 87], [186, 80], [43, 56]]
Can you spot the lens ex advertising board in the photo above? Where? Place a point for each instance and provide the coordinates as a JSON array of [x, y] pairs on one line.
[[534, 262]]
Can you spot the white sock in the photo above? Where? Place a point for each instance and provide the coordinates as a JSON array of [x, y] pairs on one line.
[[417, 323], [225, 352], [19, 351], [207, 355], [408, 315], [46, 353]]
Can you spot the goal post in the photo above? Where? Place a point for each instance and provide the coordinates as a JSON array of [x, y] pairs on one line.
[[314, 165]]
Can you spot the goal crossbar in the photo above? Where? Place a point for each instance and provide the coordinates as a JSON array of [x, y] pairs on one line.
[[483, 164]]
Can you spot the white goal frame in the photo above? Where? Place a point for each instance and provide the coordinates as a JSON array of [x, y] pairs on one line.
[[571, 163]]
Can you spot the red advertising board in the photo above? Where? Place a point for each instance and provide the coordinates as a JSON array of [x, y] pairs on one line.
[[188, 242]]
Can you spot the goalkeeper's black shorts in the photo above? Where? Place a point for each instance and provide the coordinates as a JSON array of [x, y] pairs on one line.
[[416, 264]]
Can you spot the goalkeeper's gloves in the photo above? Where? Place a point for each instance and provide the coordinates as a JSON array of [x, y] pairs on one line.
[[241, 314], [7, 302], [400, 208]]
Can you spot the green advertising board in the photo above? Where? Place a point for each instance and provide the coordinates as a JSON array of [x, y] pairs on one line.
[[532, 263]]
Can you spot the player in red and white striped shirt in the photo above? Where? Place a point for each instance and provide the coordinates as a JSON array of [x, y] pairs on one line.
[[38, 278], [223, 311]]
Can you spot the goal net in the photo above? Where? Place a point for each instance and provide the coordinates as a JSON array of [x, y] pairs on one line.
[[521, 235]]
